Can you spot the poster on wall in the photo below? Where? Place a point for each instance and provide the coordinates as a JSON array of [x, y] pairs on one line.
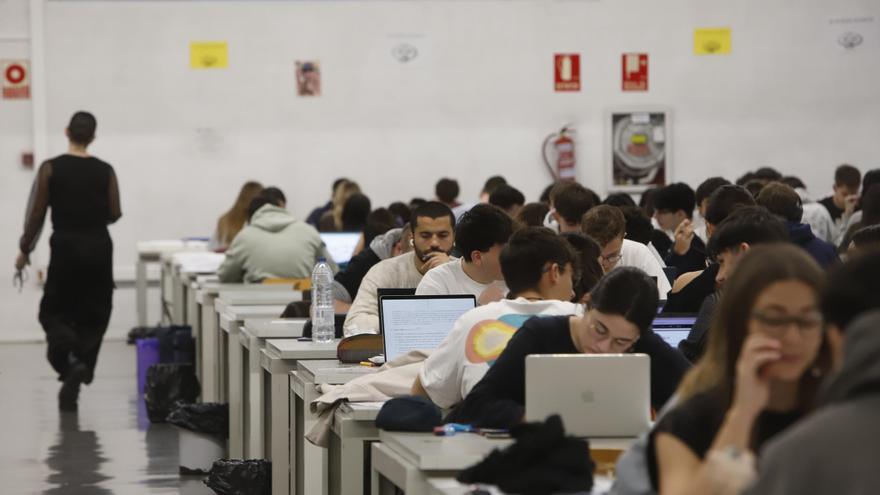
[[308, 78], [208, 55], [567, 72], [16, 79], [712, 41], [635, 71], [638, 149]]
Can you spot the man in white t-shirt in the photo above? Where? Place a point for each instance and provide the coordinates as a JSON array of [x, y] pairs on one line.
[[433, 227], [538, 268], [607, 226], [480, 235]]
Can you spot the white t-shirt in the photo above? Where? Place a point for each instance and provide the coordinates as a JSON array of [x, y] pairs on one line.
[[639, 256], [450, 278], [475, 342]]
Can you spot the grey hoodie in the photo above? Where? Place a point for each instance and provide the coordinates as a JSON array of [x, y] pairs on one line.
[[273, 245], [837, 449]]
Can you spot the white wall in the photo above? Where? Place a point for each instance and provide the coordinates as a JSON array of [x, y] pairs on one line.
[[477, 101]]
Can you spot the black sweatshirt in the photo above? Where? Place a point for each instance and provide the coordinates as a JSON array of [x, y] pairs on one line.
[[498, 400]]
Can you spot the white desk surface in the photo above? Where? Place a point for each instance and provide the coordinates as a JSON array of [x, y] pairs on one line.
[[212, 289], [360, 411], [331, 371], [275, 328], [157, 247], [251, 297], [448, 486], [428, 452], [241, 313], [296, 349], [230, 325], [198, 261]]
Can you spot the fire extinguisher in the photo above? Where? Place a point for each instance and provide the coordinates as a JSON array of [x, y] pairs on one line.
[[558, 154]]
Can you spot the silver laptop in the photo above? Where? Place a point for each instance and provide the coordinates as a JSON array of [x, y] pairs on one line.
[[409, 323], [341, 245], [597, 395]]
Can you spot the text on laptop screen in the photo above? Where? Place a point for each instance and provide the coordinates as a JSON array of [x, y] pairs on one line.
[[673, 329], [340, 245], [419, 322]]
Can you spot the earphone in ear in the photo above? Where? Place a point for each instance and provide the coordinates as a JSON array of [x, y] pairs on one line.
[[412, 242]]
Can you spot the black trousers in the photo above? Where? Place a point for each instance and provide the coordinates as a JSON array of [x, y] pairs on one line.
[[77, 298]]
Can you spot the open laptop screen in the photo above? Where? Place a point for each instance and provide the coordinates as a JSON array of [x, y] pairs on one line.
[[419, 322], [341, 245], [674, 328]]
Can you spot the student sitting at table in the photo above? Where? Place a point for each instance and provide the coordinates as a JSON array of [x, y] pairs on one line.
[[837, 447], [622, 308], [388, 245], [273, 245], [539, 267], [480, 235], [432, 225], [231, 223], [767, 352]]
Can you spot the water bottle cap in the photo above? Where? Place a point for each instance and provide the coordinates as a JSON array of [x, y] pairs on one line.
[[322, 259]]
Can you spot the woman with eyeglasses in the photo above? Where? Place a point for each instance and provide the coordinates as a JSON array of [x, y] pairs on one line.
[[621, 309], [766, 354]]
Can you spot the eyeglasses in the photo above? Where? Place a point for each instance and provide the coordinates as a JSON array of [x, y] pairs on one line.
[[611, 258], [777, 325]]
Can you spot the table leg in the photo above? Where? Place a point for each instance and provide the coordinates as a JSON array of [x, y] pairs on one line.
[[208, 345], [256, 402], [141, 289], [279, 434], [236, 433]]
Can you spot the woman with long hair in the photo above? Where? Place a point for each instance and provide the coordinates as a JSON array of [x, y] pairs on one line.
[[234, 220], [767, 352]]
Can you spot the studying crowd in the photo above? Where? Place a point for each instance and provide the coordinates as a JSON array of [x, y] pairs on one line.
[[774, 390]]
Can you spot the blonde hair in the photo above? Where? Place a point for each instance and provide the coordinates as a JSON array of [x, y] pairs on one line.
[[233, 220], [345, 190], [759, 268]]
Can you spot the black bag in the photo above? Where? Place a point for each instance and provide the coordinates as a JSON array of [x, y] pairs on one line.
[[176, 344], [166, 385], [238, 477], [210, 418], [409, 413], [138, 333], [543, 460]]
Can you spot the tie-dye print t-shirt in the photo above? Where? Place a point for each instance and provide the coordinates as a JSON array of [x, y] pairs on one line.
[[475, 342]]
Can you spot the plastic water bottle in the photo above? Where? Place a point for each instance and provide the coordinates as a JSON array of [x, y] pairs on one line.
[[322, 303]]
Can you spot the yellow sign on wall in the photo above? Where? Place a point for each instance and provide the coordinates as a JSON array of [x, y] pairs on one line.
[[208, 55], [712, 41]]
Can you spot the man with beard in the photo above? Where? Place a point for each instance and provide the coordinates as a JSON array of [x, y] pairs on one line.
[[432, 226]]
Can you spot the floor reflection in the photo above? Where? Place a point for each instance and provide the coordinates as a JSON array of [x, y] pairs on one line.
[[75, 460]]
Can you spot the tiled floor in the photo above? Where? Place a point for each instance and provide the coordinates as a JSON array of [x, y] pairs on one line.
[[109, 447]]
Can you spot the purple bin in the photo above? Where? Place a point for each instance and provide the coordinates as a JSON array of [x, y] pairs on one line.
[[147, 355]]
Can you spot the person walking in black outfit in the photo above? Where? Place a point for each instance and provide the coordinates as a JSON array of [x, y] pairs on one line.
[[83, 194]]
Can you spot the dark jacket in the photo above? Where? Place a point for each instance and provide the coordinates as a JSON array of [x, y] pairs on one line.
[[801, 234], [836, 449]]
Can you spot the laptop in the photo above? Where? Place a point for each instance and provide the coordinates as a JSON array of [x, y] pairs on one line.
[[597, 395], [408, 323], [341, 245], [673, 328]]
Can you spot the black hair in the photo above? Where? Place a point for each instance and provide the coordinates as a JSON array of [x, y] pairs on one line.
[[274, 195], [749, 224], [638, 225], [847, 175], [755, 186], [675, 197], [480, 228], [619, 199], [338, 182], [871, 177], [401, 211], [526, 253], [571, 200], [355, 212], [532, 214], [256, 204], [707, 187], [646, 201], [430, 209], [871, 205], [725, 200], [379, 221], [506, 197], [630, 293], [545, 194], [746, 177], [81, 129], [416, 202], [446, 190], [767, 174], [793, 182], [492, 183], [852, 288], [591, 271], [780, 199], [867, 236]]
